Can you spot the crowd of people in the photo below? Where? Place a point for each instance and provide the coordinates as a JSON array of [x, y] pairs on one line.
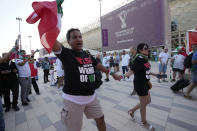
[[76, 77], [22, 71]]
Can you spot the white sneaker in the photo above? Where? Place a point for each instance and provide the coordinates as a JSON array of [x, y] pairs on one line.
[[127, 79]]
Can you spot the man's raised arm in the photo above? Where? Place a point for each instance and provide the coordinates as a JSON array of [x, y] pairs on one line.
[[57, 46]]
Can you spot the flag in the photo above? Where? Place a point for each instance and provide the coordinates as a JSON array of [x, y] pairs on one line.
[[14, 54], [49, 13], [16, 42]]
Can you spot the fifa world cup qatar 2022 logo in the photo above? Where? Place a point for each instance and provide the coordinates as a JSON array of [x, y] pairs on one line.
[[123, 15]]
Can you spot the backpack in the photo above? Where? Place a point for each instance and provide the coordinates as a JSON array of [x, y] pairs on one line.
[[188, 61]]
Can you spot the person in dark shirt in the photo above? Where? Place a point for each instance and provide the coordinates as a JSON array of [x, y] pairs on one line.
[[9, 82], [79, 92], [6, 57], [193, 73], [111, 61], [98, 58], [46, 67], [141, 69]]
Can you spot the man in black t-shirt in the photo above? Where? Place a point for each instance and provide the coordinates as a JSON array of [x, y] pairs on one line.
[[6, 57], [9, 82], [79, 92]]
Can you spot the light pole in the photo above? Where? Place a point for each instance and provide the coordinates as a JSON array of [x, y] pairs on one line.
[[19, 35], [179, 34], [30, 43], [101, 26]]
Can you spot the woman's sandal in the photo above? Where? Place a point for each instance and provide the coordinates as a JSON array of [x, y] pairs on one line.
[[147, 126], [189, 97], [131, 113]]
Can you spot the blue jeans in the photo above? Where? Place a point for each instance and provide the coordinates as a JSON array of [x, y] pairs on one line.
[[124, 69], [162, 68], [2, 123], [194, 77]]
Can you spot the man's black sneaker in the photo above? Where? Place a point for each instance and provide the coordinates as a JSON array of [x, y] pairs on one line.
[[16, 108], [25, 104], [28, 100], [7, 109], [107, 79], [165, 81], [38, 93]]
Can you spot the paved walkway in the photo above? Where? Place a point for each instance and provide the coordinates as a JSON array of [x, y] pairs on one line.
[[167, 111]]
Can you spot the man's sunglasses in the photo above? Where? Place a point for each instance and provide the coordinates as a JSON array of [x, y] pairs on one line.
[[145, 48]]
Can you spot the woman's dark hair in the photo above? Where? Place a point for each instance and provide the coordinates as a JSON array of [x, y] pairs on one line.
[[69, 32], [141, 46]]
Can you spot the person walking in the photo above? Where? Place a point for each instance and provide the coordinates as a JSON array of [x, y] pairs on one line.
[[163, 62], [193, 72], [52, 74], [106, 61], [141, 69], [178, 65], [60, 73], [111, 62], [79, 92], [33, 69], [46, 67], [125, 62]]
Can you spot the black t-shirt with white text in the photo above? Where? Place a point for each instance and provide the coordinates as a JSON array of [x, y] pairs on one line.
[[79, 72]]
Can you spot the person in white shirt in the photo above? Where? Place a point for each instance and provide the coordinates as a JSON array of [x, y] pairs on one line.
[[163, 62], [52, 71], [24, 77], [106, 61], [60, 73], [125, 62], [178, 65]]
